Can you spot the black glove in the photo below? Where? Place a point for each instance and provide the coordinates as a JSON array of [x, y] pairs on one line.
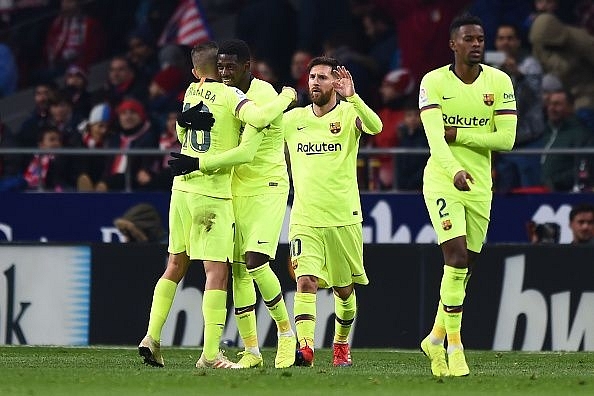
[[196, 119], [182, 164]]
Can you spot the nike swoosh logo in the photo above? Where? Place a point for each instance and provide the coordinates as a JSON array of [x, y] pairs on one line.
[[509, 101], [261, 242], [354, 275], [444, 98], [300, 128]]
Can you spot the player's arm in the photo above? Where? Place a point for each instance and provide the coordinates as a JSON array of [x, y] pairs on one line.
[[241, 154], [432, 118], [367, 120], [505, 122], [260, 116]]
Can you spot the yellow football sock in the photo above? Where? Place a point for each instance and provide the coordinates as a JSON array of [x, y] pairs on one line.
[[244, 300], [162, 300], [270, 289], [214, 310], [305, 318], [452, 296], [438, 332], [345, 311]]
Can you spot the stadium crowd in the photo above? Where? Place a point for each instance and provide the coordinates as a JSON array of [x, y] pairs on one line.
[[544, 45]]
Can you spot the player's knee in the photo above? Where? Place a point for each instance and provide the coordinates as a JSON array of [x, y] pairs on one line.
[[457, 259], [307, 284], [255, 260], [343, 292]]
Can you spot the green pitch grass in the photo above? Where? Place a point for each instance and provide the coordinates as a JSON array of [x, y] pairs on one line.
[[119, 371]]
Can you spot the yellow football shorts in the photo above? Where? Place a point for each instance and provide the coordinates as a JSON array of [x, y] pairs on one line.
[[202, 226], [332, 254], [452, 216]]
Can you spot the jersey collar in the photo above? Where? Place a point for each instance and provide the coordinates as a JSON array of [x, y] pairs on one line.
[[452, 69]]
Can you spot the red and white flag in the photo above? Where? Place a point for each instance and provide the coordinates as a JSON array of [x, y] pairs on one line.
[[187, 26]]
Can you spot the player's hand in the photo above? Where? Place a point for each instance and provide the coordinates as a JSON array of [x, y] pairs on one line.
[[195, 118], [343, 85], [182, 164], [461, 180], [450, 134]]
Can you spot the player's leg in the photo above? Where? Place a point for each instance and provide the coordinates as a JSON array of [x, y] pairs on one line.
[[344, 258], [307, 258], [212, 242], [477, 221], [261, 241], [244, 295], [163, 295], [447, 216], [244, 300], [164, 292]]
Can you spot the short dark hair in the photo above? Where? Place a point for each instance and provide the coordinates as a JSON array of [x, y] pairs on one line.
[[235, 47], [583, 207], [323, 60], [209, 48], [463, 20]]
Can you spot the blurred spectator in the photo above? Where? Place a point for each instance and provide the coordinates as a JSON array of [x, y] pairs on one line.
[[75, 86], [420, 25], [24, 33], [581, 222], [397, 87], [10, 164], [173, 55], [563, 130], [495, 13], [300, 76], [62, 117], [50, 172], [383, 47], [73, 37], [584, 10], [142, 53], [263, 70], [550, 83], [566, 52], [545, 233], [410, 167], [121, 82], [141, 223], [27, 136], [314, 26], [165, 90], [134, 130], [342, 47], [96, 131], [152, 15], [160, 178], [516, 171], [9, 73], [274, 39]]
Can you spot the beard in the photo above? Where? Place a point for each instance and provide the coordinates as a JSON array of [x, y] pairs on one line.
[[320, 98]]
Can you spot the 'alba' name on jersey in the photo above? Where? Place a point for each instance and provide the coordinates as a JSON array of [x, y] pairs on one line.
[[205, 94]]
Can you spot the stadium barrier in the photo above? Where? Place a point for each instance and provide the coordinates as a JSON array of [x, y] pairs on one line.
[[387, 218], [520, 297]]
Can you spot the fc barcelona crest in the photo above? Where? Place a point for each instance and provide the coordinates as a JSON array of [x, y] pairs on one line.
[[446, 225], [335, 127], [489, 99]]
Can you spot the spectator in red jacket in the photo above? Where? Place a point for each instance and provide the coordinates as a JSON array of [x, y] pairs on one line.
[[73, 37]]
